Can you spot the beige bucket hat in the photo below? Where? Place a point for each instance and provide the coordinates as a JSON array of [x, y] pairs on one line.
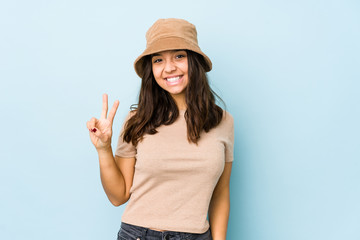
[[170, 34]]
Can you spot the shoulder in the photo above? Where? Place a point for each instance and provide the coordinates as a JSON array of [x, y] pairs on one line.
[[227, 122], [126, 119], [227, 118], [130, 114], [226, 114], [227, 127]]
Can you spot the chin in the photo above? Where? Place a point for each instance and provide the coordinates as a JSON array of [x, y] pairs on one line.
[[178, 93]]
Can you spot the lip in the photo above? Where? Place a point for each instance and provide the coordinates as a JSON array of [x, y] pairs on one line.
[[172, 76], [175, 82]]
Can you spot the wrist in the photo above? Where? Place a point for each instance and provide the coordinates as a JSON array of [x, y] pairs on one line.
[[104, 150]]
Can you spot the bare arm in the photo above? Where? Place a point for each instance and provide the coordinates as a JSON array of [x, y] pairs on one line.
[[116, 176], [220, 205], [116, 173]]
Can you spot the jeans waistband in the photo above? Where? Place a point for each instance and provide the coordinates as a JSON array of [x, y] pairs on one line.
[[138, 232]]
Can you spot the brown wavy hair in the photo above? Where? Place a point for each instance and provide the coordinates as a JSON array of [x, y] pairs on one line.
[[157, 107]]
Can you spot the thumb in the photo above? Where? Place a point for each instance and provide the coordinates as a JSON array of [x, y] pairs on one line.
[[100, 135], [95, 131]]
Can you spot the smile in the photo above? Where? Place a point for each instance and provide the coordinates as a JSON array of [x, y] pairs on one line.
[[174, 80]]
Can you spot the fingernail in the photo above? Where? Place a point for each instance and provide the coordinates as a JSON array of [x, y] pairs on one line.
[[93, 130]]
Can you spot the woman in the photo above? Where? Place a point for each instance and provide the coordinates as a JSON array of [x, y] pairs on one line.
[[174, 154]]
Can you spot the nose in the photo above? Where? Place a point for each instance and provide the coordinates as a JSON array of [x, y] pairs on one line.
[[169, 66]]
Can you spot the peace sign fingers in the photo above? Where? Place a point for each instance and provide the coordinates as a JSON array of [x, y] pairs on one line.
[[113, 110]]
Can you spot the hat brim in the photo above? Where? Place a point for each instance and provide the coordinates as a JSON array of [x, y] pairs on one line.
[[169, 43]]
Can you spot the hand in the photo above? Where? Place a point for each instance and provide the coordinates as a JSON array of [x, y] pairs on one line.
[[101, 129]]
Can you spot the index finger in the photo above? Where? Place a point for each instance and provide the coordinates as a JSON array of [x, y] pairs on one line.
[[104, 106]]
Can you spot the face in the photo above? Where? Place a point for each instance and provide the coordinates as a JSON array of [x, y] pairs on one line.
[[170, 69]]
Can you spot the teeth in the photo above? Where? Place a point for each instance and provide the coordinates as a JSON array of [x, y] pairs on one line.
[[173, 79]]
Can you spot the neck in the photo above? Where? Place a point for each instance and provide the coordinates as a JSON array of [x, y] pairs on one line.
[[180, 101]]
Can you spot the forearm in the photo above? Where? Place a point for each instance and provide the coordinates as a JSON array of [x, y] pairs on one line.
[[219, 210], [111, 177]]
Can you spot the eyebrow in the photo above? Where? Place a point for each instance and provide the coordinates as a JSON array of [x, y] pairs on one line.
[[172, 51]]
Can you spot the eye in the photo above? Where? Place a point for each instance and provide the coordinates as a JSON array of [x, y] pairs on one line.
[[157, 60], [180, 55]]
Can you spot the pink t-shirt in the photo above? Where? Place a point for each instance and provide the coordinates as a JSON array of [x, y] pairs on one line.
[[174, 179]]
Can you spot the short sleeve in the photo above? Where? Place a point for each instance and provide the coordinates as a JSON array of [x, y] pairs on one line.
[[229, 138], [124, 149]]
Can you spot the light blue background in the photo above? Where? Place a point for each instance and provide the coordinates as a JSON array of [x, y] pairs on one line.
[[287, 70]]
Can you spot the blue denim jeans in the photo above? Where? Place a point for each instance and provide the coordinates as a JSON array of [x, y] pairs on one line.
[[132, 232]]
